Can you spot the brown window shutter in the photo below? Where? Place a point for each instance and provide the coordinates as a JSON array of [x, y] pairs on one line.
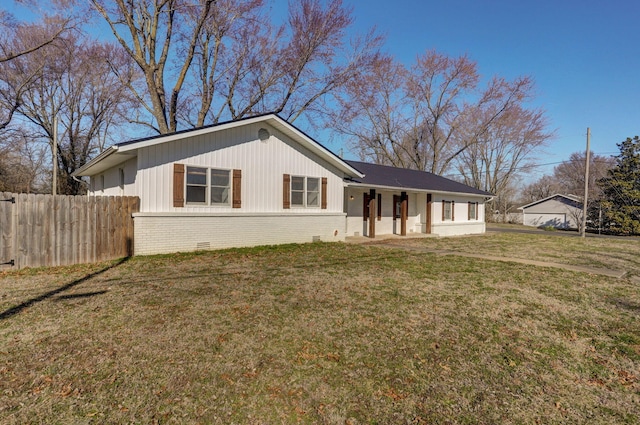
[[443, 209], [286, 191], [324, 193], [453, 209], [379, 206], [365, 206], [237, 189], [469, 211], [178, 185]]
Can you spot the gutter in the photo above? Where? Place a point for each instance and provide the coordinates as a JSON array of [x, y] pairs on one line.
[[105, 153], [396, 188]]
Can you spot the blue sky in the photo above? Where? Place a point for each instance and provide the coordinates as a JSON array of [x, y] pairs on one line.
[[583, 55]]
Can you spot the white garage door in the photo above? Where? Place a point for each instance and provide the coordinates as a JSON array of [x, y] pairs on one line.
[[559, 221]]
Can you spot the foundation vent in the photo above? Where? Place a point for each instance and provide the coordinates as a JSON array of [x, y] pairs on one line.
[[203, 246], [315, 238]]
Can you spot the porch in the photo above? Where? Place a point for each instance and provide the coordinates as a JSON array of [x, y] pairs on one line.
[[379, 213]]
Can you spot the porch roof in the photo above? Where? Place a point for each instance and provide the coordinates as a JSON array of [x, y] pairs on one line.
[[384, 176]]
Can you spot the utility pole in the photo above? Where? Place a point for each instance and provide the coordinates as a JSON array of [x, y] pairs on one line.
[[54, 178], [586, 185]]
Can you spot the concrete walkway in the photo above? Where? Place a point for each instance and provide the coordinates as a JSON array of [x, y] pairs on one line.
[[582, 269]]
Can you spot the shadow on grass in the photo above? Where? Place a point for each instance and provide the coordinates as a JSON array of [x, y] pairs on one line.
[[17, 309]]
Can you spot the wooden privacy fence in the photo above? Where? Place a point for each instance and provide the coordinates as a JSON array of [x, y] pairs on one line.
[[56, 230]]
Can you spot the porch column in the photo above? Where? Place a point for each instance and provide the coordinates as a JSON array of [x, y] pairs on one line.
[[404, 201], [372, 213]]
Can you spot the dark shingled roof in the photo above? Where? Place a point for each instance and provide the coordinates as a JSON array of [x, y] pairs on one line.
[[402, 178]]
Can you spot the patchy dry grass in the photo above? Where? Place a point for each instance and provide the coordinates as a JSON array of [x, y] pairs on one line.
[[612, 253], [318, 333]]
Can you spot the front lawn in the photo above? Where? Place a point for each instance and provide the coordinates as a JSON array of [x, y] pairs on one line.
[[319, 333]]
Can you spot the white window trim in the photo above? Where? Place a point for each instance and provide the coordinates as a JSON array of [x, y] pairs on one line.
[[474, 205], [444, 213], [208, 187], [305, 192]]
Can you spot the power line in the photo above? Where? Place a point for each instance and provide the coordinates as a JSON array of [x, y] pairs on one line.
[[525, 167]]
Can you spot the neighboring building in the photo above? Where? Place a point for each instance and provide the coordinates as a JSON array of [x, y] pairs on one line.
[[260, 180], [559, 211]]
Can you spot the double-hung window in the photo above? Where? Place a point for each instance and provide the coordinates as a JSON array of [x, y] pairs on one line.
[[447, 212], [207, 186], [305, 191], [473, 210]]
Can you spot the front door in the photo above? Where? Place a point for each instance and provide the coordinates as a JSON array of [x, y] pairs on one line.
[[397, 211], [369, 214], [400, 210]]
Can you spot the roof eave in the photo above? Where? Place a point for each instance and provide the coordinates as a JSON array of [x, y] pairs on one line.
[[539, 201], [83, 171], [376, 186], [273, 119]]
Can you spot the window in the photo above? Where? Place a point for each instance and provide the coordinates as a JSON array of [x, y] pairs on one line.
[[313, 192], [297, 191], [447, 210], [305, 191], [473, 210], [220, 187], [207, 186]]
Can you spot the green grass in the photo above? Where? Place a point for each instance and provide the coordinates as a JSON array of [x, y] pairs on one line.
[[322, 333]]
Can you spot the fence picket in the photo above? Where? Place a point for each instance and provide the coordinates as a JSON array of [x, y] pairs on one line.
[[6, 225], [48, 230]]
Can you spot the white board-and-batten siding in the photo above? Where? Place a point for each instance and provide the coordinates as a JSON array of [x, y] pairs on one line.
[[261, 220], [116, 181], [262, 163]]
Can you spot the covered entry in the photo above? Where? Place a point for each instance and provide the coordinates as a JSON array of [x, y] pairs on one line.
[[390, 200], [380, 212]]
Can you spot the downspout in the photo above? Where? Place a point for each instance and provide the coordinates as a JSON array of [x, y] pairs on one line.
[[81, 182]]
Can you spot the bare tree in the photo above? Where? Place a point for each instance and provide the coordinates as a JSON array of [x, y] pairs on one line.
[[147, 30], [503, 207], [568, 178], [56, 25], [19, 40], [207, 60], [22, 164], [73, 83], [542, 188], [372, 114], [428, 116], [570, 174], [509, 143]]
